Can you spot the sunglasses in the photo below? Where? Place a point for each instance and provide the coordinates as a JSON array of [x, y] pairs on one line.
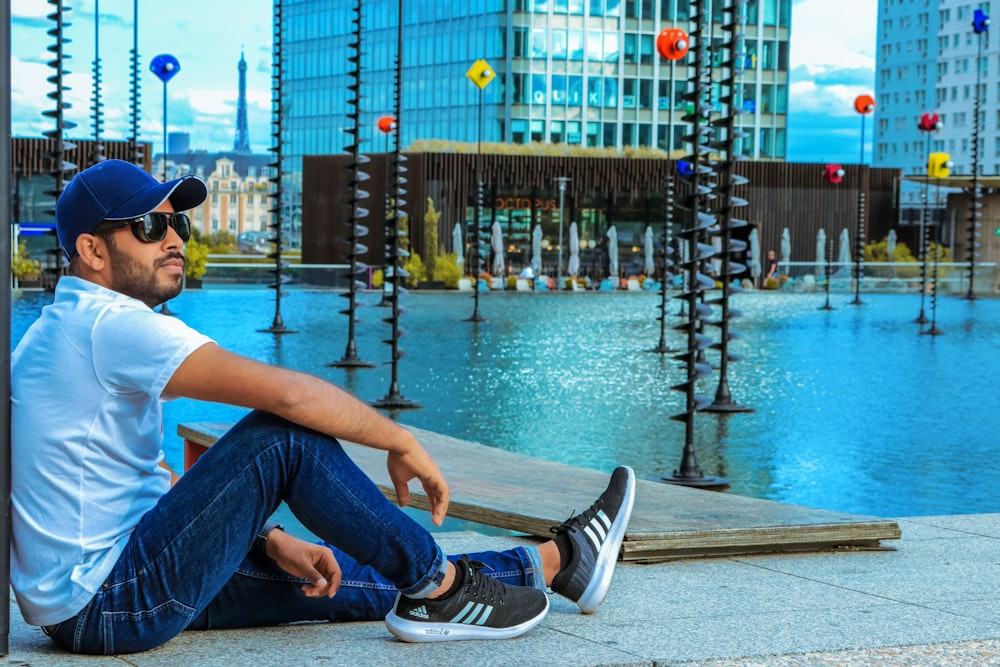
[[152, 227]]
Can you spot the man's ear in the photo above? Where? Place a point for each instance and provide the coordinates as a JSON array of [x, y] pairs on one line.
[[92, 250]]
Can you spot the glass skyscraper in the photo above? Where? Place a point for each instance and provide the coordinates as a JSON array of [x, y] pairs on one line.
[[582, 72]]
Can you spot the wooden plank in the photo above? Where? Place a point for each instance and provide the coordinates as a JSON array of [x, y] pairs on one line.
[[530, 495]]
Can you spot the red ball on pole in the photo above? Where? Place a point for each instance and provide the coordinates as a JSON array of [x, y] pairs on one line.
[[930, 122], [387, 124], [864, 104], [673, 43]]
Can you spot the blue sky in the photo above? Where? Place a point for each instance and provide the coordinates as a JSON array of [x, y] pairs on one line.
[[832, 56]]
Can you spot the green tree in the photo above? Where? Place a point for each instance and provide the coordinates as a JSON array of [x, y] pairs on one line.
[[447, 271], [21, 264], [431, 218], [220, 242], [414, 266], [196, 254], [879, 252]]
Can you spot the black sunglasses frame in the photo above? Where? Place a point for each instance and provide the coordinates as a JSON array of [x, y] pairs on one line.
[[152, 227]]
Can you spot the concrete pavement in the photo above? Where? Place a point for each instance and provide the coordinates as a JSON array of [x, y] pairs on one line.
[[928, 598]]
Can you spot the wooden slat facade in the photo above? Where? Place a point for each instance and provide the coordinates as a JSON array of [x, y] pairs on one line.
[[28, 154], [780, 194]]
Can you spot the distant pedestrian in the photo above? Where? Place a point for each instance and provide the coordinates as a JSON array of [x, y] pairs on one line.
[[772, 265]]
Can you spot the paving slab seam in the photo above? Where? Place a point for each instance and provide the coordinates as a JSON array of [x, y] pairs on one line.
[[950, 529], [642, 660], [984, 653], [836, 586]]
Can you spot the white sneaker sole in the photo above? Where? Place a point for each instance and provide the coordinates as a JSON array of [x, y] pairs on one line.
[[597, 590], [419, 631]]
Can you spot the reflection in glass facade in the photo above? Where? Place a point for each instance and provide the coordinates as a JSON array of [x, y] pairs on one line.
[[569, 71]]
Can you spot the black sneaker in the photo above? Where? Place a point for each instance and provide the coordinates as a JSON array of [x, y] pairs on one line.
[[483, 608], [596, 536]]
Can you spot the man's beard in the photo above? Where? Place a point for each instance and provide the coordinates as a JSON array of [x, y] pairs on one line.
[[132, 279]]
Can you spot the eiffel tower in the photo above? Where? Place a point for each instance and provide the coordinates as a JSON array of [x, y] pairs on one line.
[[242, 143]]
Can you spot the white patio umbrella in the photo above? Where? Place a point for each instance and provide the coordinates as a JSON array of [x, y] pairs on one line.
[[573, 267], [890, 244], [613, 252], [786, 248], [844, 251], [459, 244], [536, 250], [647, 244], [717, 256], [497, 242], [821, 247], [754, 259]]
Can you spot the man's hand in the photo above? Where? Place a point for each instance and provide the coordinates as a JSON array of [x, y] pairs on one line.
[[304, 559], [415, 462]]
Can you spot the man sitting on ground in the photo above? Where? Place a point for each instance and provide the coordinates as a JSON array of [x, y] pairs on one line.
[[113, 553]]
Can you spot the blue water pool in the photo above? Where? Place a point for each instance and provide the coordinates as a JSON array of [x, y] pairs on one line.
[[855, 411]]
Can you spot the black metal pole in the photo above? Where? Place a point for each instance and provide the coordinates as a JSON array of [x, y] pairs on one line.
[[924, 222], [973, 243], [394, 399], [689, 473], [728, 201], [477, 217], [6, 221], [277, 193], [933, 330], [355, 230], [668, 211]]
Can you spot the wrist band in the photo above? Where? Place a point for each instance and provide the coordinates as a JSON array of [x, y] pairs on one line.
[[259, 546]]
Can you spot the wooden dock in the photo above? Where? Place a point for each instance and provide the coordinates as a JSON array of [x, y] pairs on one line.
[[529, 495]]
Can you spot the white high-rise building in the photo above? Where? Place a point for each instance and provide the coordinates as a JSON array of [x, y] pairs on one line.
[[929, 57]]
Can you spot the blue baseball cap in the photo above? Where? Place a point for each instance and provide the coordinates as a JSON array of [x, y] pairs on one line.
[[118, 190]]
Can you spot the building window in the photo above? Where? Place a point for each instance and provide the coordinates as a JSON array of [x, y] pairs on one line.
[[520, 42], [538, 46], [538, 89], [538, 130], [645, 49], [518, 130], [556, 134], [576, 91], [559, 45], [628, 134], [558, 90]]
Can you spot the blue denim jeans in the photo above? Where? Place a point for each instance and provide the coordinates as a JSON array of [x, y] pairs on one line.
[[186, 565]]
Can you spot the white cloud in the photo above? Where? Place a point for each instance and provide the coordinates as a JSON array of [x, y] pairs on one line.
[[834, 99], [29, 9], [837, 33]]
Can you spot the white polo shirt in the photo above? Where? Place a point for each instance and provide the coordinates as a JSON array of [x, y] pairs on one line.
[[87, 382]]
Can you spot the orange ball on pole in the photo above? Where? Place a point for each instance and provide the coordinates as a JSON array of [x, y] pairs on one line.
[[673, 43]]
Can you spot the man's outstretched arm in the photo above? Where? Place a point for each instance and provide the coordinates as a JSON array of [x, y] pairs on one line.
[[211, 373]]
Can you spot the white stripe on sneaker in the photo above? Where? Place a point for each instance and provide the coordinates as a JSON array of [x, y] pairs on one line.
[[473, 614], [597, 530]]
